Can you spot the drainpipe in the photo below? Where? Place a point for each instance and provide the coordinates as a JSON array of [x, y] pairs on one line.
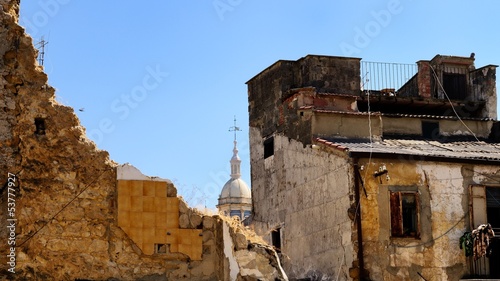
[[357, 179]]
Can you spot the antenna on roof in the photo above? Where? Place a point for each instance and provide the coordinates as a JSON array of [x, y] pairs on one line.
[[234, 128], [41, 48]]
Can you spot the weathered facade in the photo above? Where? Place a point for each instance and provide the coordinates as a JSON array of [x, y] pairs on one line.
[[68, 212], [357, 179]]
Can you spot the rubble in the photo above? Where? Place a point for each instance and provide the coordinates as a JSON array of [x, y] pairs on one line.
[[66, 195]]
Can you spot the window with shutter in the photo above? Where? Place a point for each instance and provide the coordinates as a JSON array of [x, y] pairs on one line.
[[405, 219]]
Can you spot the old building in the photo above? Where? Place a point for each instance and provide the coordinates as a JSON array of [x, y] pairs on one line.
[[68, 212], [374, 171]]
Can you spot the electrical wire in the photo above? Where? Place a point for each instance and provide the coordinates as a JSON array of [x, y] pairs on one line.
[[64, 207], [437, 238], [451, 103]]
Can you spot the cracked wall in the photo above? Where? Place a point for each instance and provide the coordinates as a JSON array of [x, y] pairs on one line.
[[67, 194], [300, 184], [443, 190]]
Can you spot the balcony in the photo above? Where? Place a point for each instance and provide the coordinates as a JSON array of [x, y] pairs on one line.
[[388, 79], [424, 80]]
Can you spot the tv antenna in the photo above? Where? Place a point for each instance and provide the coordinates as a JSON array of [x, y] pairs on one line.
[[41, 48]]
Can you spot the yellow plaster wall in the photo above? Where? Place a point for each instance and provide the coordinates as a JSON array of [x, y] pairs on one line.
[[441, 191], [149, 217]]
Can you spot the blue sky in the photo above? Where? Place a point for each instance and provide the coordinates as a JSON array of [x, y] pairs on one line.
[[160, 81]]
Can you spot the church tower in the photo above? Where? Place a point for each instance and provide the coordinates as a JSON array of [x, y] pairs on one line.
[[235, 198]]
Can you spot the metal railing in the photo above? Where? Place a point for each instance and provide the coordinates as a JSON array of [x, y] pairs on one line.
[[388, 78], [397, 79]]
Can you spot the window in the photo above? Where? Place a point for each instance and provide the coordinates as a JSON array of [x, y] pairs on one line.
[[485, 203], [40, 126], [276, 239], [161, 248], [235, 213], [455, 85], [430, 130], [247, 214], [405, 214], [493, 208], [268, 147]]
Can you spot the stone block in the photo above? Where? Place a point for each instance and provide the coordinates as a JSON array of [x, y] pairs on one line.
[[195, 220], [136, 203], [184, 221], [148, 204], [148, 188], [240, 241], [183, 207], [208, 222], [171, 190]]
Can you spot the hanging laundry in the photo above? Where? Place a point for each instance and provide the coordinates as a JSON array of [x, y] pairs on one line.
[[482, 237], [467, 244]]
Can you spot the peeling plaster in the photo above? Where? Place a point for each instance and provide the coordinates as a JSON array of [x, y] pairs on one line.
[[129, 172], [234, 269]]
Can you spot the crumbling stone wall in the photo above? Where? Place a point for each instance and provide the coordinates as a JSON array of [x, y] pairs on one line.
[[275, 84], [298, 191], [64, 225]]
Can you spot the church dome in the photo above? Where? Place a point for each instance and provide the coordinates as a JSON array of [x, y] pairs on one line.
[[235, 199], [235, 191]]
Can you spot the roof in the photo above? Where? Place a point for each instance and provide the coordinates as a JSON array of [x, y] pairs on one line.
[[437, 117], [423, 149], [235, 191], [395, 115]]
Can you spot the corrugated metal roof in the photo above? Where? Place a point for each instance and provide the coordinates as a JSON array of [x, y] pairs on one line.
[[435, 116], [397, 115], [315, 109], [472, 150]]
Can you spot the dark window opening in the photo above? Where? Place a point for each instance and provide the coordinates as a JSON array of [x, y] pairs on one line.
[[235, 213], [455, 86], [430, 130], [276, 239], [493, 217], [247, 214], [39, 126], [268, 147], [493, 208], [161, 248], [405, 214]]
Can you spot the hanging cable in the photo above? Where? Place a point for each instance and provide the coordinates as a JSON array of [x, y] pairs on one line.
[[64, 207], [451, 103]]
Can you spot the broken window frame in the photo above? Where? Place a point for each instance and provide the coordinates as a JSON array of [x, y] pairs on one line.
[[399, 225], [161, 248]]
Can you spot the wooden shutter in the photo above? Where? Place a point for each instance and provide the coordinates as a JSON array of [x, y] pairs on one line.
[[396, 214], [477, 205]]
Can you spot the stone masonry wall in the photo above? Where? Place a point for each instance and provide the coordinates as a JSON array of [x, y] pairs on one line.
[[63, 192], [301, 184], [268, 89]]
